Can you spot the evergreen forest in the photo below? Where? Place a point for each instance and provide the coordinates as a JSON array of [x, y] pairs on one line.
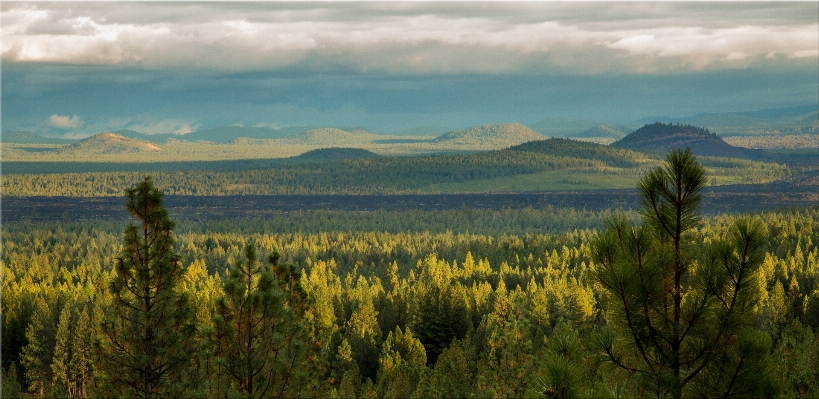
[[657, 302]]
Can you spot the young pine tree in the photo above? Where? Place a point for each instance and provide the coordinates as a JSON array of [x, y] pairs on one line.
[[259, 334], [680, 313], [145, 349]]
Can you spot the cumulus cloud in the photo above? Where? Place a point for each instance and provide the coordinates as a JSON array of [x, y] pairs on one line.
[[65, 121], [410, 37]]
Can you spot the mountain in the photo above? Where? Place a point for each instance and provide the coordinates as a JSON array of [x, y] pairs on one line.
[[601, 131], [501, 135], [335, 154], [331, 136], [154, 138], [31, 138], [732, 121], [563, 127], [665, 137], [110, 143], [226, 134]]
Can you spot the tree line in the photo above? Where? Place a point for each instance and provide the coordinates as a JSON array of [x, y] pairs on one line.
[[386, 175]]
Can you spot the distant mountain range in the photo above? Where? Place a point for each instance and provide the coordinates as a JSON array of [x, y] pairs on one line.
[[728, 121], [31, 138], [795, 120]]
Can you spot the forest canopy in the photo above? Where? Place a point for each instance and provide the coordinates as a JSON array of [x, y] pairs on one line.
[[423, 312]]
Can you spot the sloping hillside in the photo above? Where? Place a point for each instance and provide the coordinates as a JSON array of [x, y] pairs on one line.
[[110, 143], [583, 150], [665, 137], [506, 134], [331, 136], [563, 127], [601, 131]]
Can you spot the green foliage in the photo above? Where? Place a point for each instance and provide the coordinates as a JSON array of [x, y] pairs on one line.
[[565, 371], [146, 343], [11, 386], [580, 149], [37, 354], [483, 171], [259, 343], [525, 277], [679, 319], [400, 365]]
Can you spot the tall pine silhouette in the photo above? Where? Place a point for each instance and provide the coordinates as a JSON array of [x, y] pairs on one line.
[[145, 347]]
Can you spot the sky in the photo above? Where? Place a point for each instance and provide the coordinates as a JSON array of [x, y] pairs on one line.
[[76, 69]]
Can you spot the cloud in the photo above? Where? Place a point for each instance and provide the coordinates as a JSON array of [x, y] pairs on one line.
[[411, 37], [65, 122]]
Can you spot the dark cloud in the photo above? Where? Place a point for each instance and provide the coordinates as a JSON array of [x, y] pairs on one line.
[[175, 66]]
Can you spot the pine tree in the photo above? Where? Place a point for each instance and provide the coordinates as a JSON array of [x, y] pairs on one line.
[[11, 387], [401, 364], [62, 351], [680, 312], [145, 351], [37, 355], [80, 366], [259, 336], [441, 318]]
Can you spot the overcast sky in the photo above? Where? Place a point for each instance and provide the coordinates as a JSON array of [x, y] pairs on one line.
[[80, 68]]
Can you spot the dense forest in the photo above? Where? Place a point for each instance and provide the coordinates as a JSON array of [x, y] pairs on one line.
[[403, 305]]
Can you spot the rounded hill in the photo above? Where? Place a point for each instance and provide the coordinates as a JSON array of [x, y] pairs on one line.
[[583, 150], [666, 137], [505, 134], [110, 143], [335, 154]]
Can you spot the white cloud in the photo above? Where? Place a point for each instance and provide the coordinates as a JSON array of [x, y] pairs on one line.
[[65, 122], [408, 37]]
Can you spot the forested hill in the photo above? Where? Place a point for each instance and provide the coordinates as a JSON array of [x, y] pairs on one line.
[[335, 154], [506, 134], [584, 150], [663, 137]]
